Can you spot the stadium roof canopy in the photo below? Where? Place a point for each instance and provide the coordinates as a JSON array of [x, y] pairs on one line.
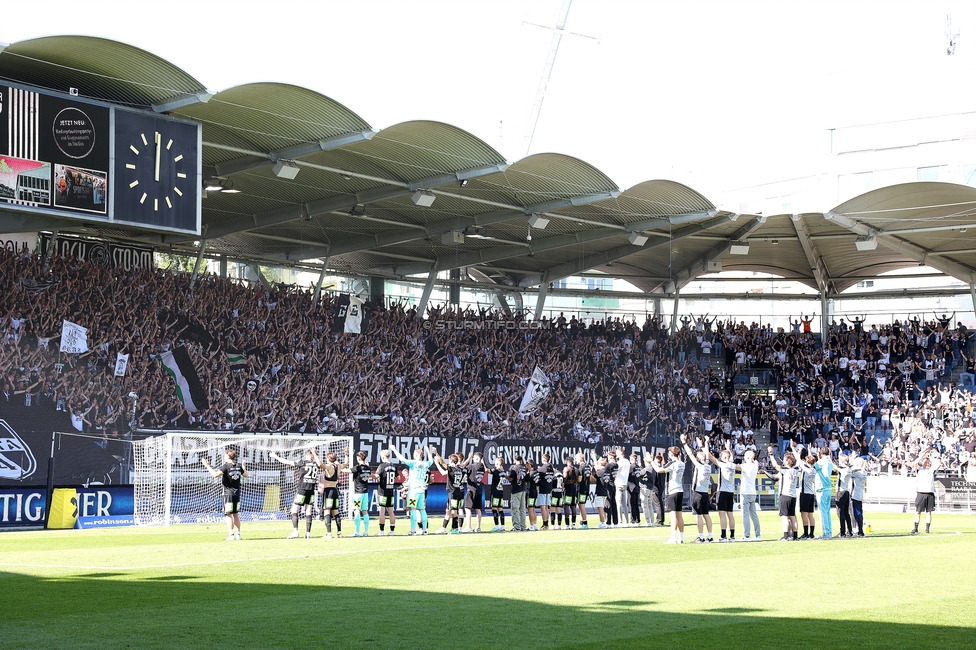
[[355, 198]]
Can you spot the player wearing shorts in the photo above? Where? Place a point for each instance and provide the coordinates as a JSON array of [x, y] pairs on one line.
[[600, 490], [474, 493], [360, 473], [571, 481], [927, 464], [457, 481], [557, 498], [586, 477], [789, 476], [701, 483], [726, 489], [808, 477], [386, 474], [545, 490], [497, 495], [330, 493], [531, 492], [308, 479], [230, 474], [674, 503], [419, 469]]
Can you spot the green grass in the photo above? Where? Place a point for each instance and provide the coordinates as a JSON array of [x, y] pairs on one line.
[[185, 587]]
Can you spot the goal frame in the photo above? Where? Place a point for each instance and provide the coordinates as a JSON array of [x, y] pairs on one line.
[[233, 438]]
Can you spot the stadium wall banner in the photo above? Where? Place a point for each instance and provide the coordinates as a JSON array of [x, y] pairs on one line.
[[18, 242], [25, 447], [91, 507], [506, 449], [111, 254], [956, 490]]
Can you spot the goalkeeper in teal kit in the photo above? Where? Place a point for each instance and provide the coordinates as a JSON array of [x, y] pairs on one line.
[[417, 486]]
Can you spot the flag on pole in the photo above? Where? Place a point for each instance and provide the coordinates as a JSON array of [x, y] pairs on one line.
[[74, 338], [177, 364], [121, 363], [236, 360], [536, 391], [354, 316]]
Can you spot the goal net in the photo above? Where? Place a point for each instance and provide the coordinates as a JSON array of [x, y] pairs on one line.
[[171, 485]]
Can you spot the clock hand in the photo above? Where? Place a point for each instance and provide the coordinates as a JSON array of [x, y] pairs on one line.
[[157, 156]]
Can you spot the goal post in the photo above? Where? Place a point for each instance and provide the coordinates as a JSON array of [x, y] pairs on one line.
[[171, 485]]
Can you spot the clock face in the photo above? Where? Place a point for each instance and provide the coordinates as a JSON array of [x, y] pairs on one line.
[[157, 171]]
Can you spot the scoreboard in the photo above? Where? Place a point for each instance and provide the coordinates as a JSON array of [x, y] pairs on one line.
[[80, 159]]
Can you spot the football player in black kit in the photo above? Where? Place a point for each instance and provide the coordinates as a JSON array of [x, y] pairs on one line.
[[387, 473], [556, 500], [361, 473], [308, 479], [571, 486], [230, 474], [473, 495], [498, 475], [545, 490], [457, 481], [532, 480], [330, 493], [586, 473]]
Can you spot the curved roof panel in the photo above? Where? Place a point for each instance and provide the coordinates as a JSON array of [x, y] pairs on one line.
[[272, 116], [99, 68]]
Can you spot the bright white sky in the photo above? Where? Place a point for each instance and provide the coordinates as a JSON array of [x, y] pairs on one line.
[[717, 95]]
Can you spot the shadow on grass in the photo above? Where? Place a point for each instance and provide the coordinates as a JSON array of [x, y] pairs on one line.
[[184, 612]]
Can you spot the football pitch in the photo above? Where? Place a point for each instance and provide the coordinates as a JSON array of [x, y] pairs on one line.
[[185, 587]]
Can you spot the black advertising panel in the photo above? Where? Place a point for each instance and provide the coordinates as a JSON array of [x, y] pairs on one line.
[[156, 164], [54, 152]]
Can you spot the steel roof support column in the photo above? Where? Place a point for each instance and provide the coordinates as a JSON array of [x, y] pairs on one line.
[[318, 284], [196, 267], [674, 314], [972, 294], [540, 302], [824, 322], [425, 297]]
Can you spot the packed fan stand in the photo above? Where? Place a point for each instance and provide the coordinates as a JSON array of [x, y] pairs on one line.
[[171, 486]]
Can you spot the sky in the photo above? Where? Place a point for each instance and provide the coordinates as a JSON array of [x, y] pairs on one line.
[[716, 95]]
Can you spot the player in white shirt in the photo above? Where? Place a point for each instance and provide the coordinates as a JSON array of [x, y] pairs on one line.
[[844, 489], [859, 480], [927, 464], [726, 490], [674, 503], [749, 496], [788, 478], [701, 484]]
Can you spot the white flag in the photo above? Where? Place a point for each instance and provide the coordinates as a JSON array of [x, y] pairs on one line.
[[537, 390], [74, 338], [354, 316], [121, 363]]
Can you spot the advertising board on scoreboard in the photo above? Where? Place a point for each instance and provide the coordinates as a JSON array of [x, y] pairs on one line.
[[65, 156]]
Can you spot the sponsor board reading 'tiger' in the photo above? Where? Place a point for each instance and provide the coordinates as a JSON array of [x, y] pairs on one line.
[[16, 459]]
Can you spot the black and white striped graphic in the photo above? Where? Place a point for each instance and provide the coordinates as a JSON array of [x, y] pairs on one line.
[[23, 124]]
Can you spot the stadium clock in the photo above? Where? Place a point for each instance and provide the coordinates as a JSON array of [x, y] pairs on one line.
[[157, 170]]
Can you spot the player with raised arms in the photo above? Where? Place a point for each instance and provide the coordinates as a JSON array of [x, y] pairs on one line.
[[925, 468], [702, 485], [807, 487], [386, 474], [361, 473], [788, 477], [474, 493], [497, 495], [824, 490], [330, 493], [230, 474], [674, 503], [308, 478], [726, 490], [419, 469], [457, 479]]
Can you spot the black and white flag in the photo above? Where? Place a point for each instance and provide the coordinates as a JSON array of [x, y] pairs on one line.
[[348, 318], [536, 391]]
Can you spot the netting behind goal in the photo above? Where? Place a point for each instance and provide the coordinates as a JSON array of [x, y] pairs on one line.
[[171, 485]]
